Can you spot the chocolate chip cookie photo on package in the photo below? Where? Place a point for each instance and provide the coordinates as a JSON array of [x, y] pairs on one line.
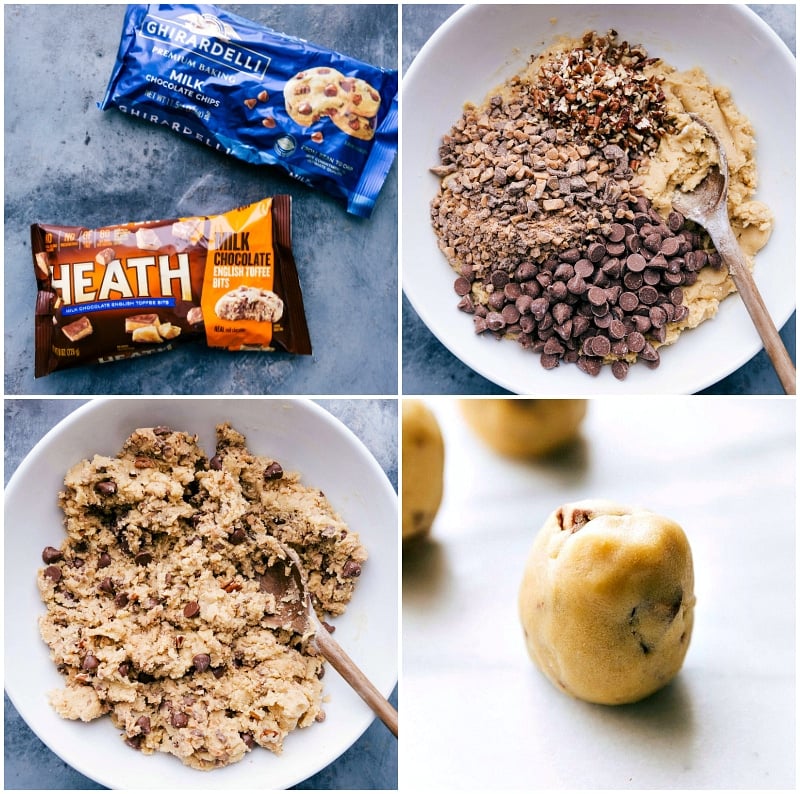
[[214, 600], [553, 186], [260, 96]]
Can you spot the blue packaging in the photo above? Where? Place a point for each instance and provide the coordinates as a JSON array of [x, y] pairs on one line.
[[260, 96]]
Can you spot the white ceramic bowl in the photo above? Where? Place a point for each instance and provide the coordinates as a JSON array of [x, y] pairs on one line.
[[304, 438], [481, 46]]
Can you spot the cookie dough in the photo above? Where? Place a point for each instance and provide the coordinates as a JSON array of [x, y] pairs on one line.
[[161, 602], [682, 161], [423, 468], [607, 601], [522, 428], [250, 303]]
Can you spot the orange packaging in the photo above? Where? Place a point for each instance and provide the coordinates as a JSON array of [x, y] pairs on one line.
[[127, 290]]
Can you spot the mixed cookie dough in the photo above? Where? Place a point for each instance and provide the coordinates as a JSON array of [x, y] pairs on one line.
[[521, 428], [607, 601], [423, 468], [555, 204], [161, 602]]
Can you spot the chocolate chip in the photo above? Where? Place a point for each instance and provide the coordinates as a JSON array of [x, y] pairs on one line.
[[658, 317], [143, 558], [106, 586], [90, 662], [590, 365], [201, 662], [636, 263], [104, 560], [619, 369], [274, 471], [53, 573], [596, 296], [143, 724], [632, 280], [616, 233], [121, 600], [495, 321], [50, 554], [675, 221], [351, 569], [215, 463], [601, 346], [635, 342], [179, 719], [670, 246], [595, 252], [617, 330], [628, 301], [191, 610], [651, 277], [237, 537], [648, 295], [106, 487], [162, 430], [462, 286]]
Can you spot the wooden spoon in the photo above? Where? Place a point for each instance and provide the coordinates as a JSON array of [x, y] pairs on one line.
[[707, 205], [286, 580]]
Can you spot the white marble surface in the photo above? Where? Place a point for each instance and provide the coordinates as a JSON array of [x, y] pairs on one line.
[[485, 718]]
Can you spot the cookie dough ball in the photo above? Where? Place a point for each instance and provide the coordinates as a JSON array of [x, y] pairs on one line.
[[524, 428], [607, 601], [423, 468]]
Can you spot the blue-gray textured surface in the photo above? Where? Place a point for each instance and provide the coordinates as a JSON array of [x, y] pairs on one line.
[[68, 163], [371, 763], [428, 367]]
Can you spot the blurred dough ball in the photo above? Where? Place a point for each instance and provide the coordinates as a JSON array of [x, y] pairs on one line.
[[423, 468], [607, 601], [524, 428]]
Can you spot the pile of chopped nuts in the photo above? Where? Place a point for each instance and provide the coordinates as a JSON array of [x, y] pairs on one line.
[[604, 92]]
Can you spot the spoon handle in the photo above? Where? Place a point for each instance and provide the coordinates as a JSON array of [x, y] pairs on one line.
[[351, 673], [728, 248]]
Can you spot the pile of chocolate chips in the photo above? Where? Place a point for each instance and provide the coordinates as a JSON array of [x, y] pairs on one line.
[[607, 301]]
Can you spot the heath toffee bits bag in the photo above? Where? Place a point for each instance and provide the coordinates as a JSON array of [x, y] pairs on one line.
[[136, 288], [260, 96]]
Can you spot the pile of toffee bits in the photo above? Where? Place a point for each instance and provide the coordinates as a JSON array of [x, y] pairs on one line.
[[540, 215]]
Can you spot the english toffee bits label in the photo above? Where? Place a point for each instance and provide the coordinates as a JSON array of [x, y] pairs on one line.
[[260, 96], [132, 289]]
